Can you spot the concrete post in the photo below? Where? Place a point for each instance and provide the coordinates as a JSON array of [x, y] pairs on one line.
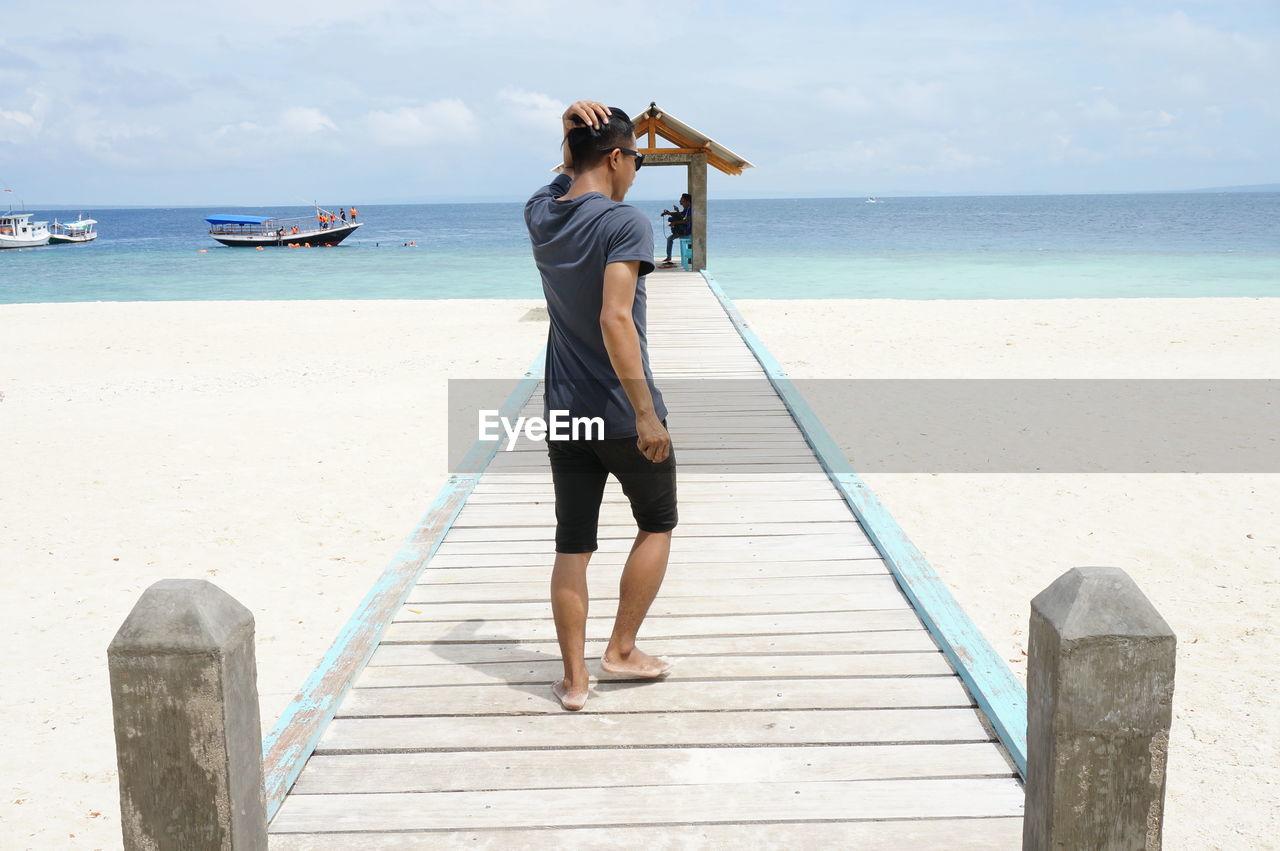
[[1100, 695], [188, 740], [698, 189]]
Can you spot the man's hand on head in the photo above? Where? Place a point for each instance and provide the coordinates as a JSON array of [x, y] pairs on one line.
[[584, 113], [587, 113]]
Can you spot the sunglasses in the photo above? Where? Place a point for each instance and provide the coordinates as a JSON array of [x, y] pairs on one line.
[[639, 156]]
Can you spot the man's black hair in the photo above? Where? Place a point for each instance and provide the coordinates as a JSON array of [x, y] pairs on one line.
[[686, 195], [585, 144]]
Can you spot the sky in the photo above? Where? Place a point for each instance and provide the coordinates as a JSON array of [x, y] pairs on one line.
[[375, 101]]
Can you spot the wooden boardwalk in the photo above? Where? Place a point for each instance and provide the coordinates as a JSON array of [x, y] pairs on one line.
[[809, 705]]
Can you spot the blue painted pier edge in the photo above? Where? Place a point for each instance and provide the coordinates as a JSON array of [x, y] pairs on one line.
[[289, 745], [988, 678]]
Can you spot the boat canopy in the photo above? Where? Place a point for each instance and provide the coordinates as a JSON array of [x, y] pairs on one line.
[[224, 219]]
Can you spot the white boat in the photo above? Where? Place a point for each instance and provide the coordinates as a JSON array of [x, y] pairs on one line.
[[324, 228], [873, 200], [81, 230], [18, 231]]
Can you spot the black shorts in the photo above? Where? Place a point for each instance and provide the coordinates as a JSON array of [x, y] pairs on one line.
[[579, 470]]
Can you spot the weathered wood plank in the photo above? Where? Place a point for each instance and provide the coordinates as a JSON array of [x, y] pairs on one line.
[[679, 556], [614, 497], [604, 586], [616, 525], [613, 525], [941, 798], [929, 664], [561, 730], [763, 512], [744, 547], [670, 695], [423, 608], [602, 768], [831, 644], [603, 571], [491, 478], [966, 834], [656, 627]]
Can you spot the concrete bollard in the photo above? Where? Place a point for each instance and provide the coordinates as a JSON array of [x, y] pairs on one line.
[[188, 742], [1099, 702]]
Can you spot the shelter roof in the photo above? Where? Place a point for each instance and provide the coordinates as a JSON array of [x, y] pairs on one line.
[[653, 121]]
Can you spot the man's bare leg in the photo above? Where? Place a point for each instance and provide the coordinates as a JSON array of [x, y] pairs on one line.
[[569, 607], [641, 578]]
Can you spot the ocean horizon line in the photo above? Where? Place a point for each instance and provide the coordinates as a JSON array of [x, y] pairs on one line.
[[1265, 188]]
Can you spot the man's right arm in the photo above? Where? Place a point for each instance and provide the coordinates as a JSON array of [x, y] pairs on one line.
[[622, 342]]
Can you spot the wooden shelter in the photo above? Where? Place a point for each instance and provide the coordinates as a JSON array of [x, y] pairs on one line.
[[693, 149]]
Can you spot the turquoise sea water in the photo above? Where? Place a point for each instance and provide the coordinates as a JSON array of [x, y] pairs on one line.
[[967, 248]]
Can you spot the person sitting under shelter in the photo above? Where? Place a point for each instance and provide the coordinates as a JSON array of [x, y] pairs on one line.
[[680, 222]]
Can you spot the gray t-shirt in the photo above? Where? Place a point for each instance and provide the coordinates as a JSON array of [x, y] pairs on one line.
[[573, 240]]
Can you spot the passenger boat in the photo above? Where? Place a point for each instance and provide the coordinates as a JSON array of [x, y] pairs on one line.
[[81, 230], [324, 228], [18, 231]]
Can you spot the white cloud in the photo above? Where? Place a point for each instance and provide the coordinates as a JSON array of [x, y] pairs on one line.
[[418, 125], [533, 108], [900, 154], [240, 128], [305, 120], [17, 126], [847, 99], [23, 124]]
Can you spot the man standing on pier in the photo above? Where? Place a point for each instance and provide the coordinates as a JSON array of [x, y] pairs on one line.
[[593, 252]]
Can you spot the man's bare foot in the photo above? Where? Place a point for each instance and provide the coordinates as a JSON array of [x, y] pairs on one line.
[[636, 664], [572, 701]]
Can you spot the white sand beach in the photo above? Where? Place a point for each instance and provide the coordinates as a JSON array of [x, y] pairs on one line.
[[283, 450]]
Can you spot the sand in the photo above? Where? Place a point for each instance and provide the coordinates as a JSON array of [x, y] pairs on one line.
[[284, 449], [1204, 548]]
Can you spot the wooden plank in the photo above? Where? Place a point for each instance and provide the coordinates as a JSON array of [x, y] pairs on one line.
[[772, 511], [420, 606], [492, 477], [966, 834], [927, 664], [680, 555], [607, 573], [546, 650], [604, 584], [689, 804], [598, 628], [563, 730], [620, 526], [1002, 697], [760, 546], [688, 498], [670, 696], [691, 490], [603, 768], [696, 465]]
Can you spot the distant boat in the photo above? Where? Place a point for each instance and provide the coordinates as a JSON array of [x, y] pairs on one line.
[[81, 230], [324, 228], [874, 200], [18, 231]]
